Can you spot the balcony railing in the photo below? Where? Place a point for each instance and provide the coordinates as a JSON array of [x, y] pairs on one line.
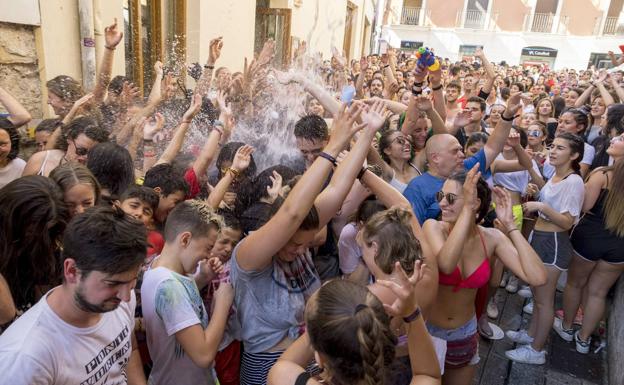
[[542, 22], [411, 16], [474, 19], [612, 27]]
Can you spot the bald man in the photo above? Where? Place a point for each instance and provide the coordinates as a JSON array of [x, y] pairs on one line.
[[445, 156]]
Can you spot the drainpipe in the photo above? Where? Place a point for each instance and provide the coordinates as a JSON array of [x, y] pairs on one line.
[[377, 25], [87, 43]]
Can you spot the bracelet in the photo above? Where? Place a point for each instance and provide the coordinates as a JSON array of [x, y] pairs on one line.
[[416, 90], [420, 84], [148, 140], [186, 121], [330, 158], [218, 129], [208, 66], [234, 172], [507, 119], [362, 172], [386, 66], [110, 48], [436, 88], [412, 316], [515, 228]]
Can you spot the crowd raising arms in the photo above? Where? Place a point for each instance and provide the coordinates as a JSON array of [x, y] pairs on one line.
[[406, 314]]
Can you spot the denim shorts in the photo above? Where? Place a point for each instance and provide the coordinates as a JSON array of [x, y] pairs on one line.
[[462, 343]]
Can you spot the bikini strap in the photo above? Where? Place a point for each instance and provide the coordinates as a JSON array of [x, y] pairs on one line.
[[487, 256]]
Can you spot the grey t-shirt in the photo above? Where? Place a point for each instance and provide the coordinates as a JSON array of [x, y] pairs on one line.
[[270, 303]]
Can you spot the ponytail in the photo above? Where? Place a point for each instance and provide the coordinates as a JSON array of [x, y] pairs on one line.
[[577, 146]]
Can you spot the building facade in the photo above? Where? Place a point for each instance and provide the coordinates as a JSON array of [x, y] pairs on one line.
[[560, 33], [40, 39]]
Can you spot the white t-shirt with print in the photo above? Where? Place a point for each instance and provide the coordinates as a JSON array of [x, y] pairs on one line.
[[41, 348], [171, 302]]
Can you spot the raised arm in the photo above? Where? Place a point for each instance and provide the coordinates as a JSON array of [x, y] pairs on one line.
[[18, 115], [449, 250], [359, 83], [112, 37], [489, 71], [437, 92], [258, 249], [496, 141], [174, 146], [203, 84], [584, 97], [424, 103], [618, 89], [330, 200], [241, 161], [514, 250]]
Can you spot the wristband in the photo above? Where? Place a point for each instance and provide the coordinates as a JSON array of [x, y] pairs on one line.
[[412, 316], [148, 140], [416, 90], [418, 84], [436, 88], [507, 119], [186, 121], [509, 232], [218, 129], [208, 67], [362, 172], [386, 66], [234, 172], [110, 48], [330, 158]]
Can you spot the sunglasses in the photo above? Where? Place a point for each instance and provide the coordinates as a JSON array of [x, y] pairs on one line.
[[450, 197], [401, 140], [81, 151], [534, 134]]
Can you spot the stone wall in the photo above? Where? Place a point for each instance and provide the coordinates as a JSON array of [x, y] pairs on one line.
[[19, 66]]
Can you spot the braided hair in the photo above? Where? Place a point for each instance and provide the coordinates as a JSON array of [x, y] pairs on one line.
[[361, 346]]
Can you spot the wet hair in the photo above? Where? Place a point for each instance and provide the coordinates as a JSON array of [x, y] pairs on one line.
[[312, 127], [164, 177], [505, 93], [392, 231], [483, 193], [65, 87], [361, 346], [194, 216], [577, 146], [454, 83], [366, 210], [559, 104], [69, 175], [116, 84], [230, 221], [106, 240], [227, 153], [33, 217], [476, 137], [82, 125], [112, 166], [580, 118], [15, 142], [476, 99], [146, 195], [48, 125], [520, 86], [263, 180], [615, 119], [385, 142]]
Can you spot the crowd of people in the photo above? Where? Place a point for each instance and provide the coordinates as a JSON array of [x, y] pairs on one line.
[[128, 256]]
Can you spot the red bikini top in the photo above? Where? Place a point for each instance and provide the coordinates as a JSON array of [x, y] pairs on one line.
[[477, 279]]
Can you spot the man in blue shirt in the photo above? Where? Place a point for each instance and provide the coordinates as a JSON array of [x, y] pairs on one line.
[[445, 156]]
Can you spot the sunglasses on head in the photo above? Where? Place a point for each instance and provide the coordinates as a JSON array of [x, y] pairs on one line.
[[535, 134], [450, 197], [618, 138]]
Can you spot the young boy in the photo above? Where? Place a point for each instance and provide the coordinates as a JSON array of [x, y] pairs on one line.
[[170, 186], [141, 203], [227, 360], [181, 341]]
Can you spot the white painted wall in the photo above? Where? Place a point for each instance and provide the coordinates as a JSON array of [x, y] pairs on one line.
[[573, 51], [20, 11]]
